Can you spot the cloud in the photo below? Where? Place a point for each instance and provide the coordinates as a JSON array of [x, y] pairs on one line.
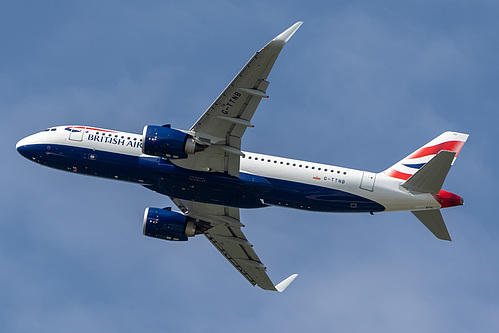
[[359, 85]]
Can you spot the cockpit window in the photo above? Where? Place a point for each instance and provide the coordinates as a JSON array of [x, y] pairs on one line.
[[46, 130], [53, 129]]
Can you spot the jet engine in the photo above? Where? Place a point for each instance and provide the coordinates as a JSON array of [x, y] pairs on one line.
[[165, 224], [167, 142]]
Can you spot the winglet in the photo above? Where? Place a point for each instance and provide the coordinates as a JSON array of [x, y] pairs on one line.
[[286, 35], [285, 283]]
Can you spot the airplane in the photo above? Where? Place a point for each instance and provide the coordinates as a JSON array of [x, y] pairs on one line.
[[209, 178]]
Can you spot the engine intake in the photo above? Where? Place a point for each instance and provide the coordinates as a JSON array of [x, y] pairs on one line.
[[165, 224], [167, 142]]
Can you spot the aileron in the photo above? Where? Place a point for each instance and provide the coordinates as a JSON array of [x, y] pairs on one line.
[[222, 227]]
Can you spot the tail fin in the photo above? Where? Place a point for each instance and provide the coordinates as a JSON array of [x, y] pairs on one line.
[[425, 170], [448, 141]]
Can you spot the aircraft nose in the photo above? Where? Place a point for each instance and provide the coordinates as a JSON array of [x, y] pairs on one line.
[[20, 143], [23, 146]]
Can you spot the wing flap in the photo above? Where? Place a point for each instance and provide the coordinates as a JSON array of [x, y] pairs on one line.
[[238, 101], [240, 254], [243, 94], [222, 227]]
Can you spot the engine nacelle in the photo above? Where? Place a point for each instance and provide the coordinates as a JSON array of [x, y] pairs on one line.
[[165, 224], [168, 142]]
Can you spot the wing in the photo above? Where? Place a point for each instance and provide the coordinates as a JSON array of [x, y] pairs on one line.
[[223, 229], [223, 124]]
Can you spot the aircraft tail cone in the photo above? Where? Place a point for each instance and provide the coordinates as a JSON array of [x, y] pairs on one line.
[[448, 199]]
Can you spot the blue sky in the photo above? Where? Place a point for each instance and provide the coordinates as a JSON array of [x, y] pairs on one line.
[[361, 84]]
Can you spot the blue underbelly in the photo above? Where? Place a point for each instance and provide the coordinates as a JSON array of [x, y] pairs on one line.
[[247, 191], [317, 198]]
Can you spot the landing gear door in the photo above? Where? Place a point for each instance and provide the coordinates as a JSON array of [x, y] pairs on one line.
[[76, 133], [367, 182]]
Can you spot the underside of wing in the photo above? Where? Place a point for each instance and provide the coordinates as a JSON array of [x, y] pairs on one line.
[[223, 124], [222, 227]]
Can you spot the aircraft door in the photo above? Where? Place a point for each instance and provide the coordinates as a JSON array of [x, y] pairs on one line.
[[76, 133], [367, 182]]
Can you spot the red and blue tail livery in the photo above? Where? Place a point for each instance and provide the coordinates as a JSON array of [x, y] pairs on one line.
[[448, 141], [210, 179]]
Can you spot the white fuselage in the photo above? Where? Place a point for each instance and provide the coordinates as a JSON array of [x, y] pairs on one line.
[[376, 187]]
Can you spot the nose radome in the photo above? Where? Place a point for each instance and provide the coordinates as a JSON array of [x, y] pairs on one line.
[[22, 147], [31, 139], [20, 143]]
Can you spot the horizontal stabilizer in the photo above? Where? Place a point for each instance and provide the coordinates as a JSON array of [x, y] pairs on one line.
[[432, 219], [431, 176], [284, 284]]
